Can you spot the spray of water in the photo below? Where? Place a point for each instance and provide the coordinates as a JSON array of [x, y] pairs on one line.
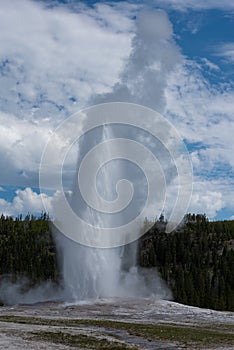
[[92, 272]]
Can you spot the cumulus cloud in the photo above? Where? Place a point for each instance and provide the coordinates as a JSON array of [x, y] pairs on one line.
[[205, 201], [25, 201], [203, 113], [53, 59], [21, 146], [212, 195]]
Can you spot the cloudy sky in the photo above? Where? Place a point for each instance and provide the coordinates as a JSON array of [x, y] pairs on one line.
[[175, 56]]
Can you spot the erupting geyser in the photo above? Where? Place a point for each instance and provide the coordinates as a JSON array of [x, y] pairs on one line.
[[131, 165], [93, 272]]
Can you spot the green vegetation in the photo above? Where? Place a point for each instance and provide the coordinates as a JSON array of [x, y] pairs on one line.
[[189, 335], [196, 261], [81, 340], [27, 249]]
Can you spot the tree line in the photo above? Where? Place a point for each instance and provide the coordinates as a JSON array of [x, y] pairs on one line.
[[196, 260], [27, 249]]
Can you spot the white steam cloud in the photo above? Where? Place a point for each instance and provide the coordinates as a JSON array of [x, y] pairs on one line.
[[153, 56]]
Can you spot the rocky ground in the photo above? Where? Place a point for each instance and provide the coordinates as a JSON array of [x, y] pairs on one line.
[[115, 324]]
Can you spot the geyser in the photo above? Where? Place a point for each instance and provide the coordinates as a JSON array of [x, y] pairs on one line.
[[131, 165], [91, 272], [98, 258]]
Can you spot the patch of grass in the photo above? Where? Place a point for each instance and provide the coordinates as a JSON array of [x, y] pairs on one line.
[[31, 320], [81, 340], [208, 334], [182, 334]]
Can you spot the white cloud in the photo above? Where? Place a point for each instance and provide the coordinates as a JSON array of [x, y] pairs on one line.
[[210, 64], [153, 56], [203, 114], [25, 201], [51, 61], [205, 201], [197, 5], [51, 57], [210, 196], [226, 51], [21, 146]]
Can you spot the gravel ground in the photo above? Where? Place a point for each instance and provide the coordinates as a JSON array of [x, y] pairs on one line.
[[17, 335]]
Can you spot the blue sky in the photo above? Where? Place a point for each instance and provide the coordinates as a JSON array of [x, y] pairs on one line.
[[56, 59]]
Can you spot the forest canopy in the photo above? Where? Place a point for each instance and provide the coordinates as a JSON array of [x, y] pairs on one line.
[[196, 260]]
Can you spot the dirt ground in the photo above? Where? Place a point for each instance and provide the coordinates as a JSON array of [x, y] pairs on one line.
[[114, 324]]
